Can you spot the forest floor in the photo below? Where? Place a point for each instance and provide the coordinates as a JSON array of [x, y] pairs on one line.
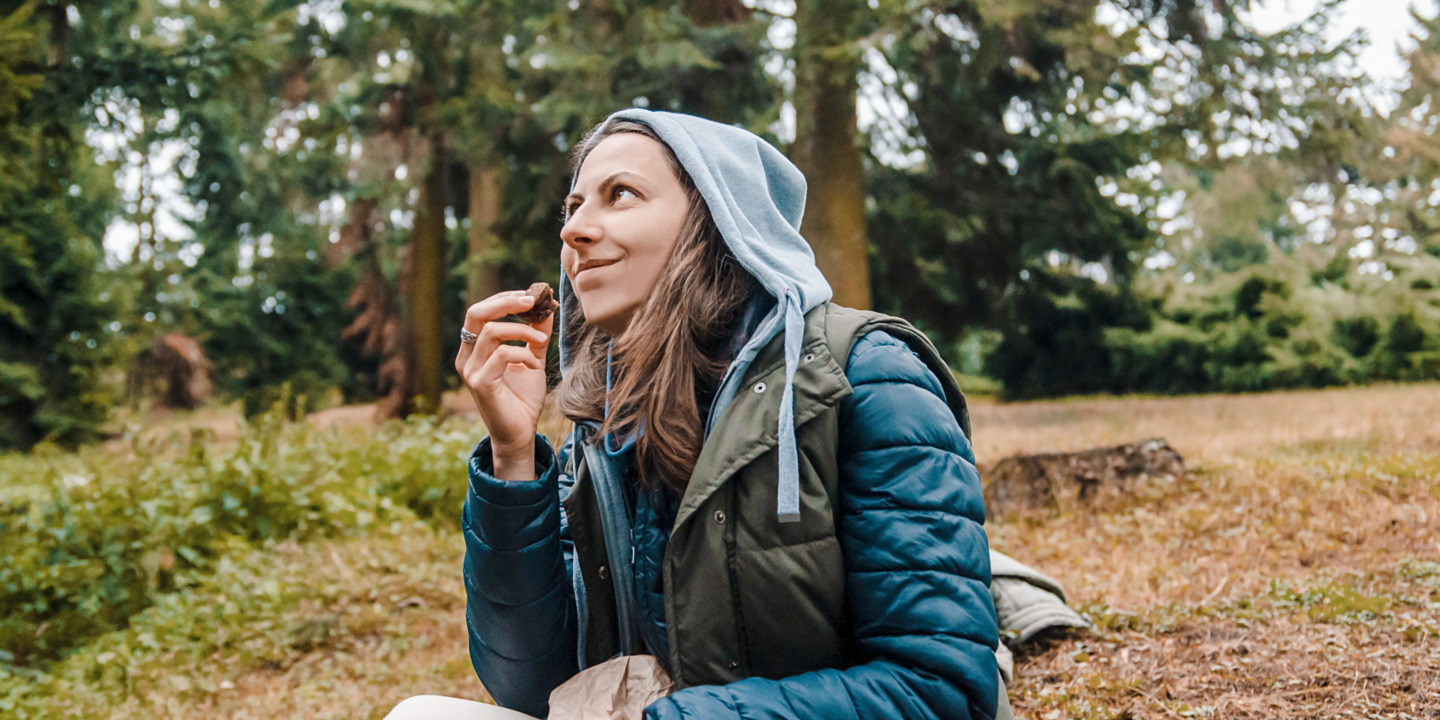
[[1294, 572]]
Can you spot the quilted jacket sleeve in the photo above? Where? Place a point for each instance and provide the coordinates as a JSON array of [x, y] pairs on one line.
[[916, 562], [519, 610]]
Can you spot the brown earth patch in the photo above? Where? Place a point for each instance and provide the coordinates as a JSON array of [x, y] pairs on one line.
[[1287, 668]]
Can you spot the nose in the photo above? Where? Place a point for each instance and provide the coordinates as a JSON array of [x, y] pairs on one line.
[[580, 228]]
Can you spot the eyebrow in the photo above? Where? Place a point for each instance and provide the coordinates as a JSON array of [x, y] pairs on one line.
[[607, 182]]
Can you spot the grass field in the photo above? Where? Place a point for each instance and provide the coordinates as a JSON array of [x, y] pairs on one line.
[[1293, 573]]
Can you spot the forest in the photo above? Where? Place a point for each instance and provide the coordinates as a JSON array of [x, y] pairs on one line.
[[237, 240], [215, 201]]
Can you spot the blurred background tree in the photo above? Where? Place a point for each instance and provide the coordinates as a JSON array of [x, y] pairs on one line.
[[54, 205], [1045, 142], [1071, 197]]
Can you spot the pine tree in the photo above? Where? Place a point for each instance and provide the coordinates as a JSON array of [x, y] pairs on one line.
[[53, 209], [1035, 135]]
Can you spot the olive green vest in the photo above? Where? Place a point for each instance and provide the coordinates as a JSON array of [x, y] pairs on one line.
[[747, 595]]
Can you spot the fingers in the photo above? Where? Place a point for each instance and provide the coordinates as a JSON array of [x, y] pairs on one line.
[[497, 306], [544, 327], [494, 334], [501, 359], [492, 308]]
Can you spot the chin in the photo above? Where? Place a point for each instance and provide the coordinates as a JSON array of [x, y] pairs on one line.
[[610, 319]]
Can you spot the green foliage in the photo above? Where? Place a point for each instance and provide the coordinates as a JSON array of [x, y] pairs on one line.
[[258, 608], [978, 386], [284, 329], [1335, 603], [1024, 182], [1275, 327], [88, 541], [1058, 340], [53, 207], [1034, 159]]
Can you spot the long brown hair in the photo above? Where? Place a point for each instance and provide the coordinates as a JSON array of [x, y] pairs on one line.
[[673, 354]]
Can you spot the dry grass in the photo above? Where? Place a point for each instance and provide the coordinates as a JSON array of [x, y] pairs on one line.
[[1212, 428], [1287, 576], [344, 629], [1280, 669], [1277, 580]]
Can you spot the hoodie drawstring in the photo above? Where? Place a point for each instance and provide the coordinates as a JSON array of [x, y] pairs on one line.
[[787, 504]]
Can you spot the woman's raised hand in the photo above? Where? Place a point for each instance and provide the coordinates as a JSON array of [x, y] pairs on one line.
[[506, 381]]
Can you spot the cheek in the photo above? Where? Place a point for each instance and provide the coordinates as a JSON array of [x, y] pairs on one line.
[[649, 267], [567, 259], [661, 242]]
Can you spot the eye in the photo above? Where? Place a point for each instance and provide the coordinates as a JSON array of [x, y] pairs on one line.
[[619, 192]]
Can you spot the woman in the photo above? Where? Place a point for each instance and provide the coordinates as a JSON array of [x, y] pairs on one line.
[[773, 495]]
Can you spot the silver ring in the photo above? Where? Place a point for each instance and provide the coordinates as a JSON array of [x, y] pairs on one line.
[[468, 337]]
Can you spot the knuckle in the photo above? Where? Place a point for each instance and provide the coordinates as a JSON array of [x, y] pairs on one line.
[[494, 330]]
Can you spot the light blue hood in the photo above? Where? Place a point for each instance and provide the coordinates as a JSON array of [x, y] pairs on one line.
[[757, 198]]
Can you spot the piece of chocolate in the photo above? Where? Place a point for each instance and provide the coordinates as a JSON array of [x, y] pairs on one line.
[[544, 303]]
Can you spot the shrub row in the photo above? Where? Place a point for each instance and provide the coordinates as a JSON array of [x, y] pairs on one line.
[[1267, 328], [87, 541]]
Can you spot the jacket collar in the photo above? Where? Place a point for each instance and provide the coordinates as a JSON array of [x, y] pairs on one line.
[[747, 428]]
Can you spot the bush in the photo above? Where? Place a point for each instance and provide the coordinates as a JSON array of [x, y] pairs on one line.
[[294, 398], [259, 608], [1357, 335], [1260, 331], [86, 542]]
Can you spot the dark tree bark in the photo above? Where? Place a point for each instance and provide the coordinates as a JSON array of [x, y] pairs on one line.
[[59, 51], [482, 277], [427, 282], [827, 147], [706, 13]]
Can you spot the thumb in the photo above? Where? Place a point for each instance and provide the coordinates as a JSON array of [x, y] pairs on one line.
[[546, 326]]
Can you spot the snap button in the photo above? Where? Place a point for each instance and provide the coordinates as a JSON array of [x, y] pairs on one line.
[[720, 517], [734, 664], [604, 573], [760, 387], [809, 357]]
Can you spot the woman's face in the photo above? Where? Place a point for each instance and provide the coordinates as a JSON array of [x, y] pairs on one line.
[[625, 215]]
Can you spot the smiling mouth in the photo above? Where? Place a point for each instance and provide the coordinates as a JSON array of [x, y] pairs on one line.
[[592, 264]]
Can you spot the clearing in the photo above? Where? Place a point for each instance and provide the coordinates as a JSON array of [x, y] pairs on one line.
[[1293, 573]]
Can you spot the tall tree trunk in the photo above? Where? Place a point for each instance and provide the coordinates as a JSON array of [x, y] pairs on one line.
[[826, 145], [427, 282], [147, 240], [482, 276], [59, 35], [486, 158], [707, 13]]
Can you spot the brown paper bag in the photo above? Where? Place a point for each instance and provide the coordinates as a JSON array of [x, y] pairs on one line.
[[617, 689]]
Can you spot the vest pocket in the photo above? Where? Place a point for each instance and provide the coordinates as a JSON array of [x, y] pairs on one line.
[[792, 599]]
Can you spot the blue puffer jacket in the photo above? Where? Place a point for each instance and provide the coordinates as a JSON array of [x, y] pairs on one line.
[[915, 555]]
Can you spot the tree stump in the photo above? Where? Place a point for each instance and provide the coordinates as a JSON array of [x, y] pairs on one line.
[[1065, 481], [185, 368]]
